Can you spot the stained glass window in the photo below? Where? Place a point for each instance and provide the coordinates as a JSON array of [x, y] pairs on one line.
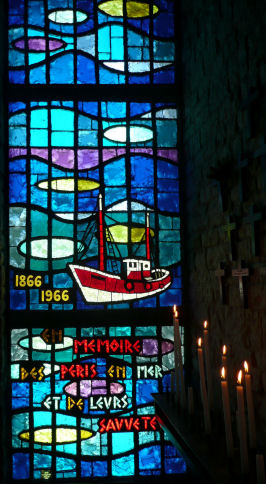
[[94, 205], [91, 42], [94, 229], [82, 404]]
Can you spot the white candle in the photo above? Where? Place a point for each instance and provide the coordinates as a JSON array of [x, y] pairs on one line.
[[190, 398], [242, 424], [260, 469], [207, 359], [224, 355], [250, 405], [176, 352], [178, 360], [204, 397], [227, 414]]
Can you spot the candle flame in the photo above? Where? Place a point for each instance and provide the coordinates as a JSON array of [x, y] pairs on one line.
[[224, 350], [245, 366], [239, 377], [199, 342], [205, 324], [223, 373], [175, 311]]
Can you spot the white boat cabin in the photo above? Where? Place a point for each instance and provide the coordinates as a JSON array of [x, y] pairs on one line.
[[137, 268]]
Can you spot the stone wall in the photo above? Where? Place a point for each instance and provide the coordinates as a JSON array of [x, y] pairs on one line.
[[224, 79]]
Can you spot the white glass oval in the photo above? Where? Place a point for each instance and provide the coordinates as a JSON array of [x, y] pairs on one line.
[[137, 134], [67, 16], [61, 248]]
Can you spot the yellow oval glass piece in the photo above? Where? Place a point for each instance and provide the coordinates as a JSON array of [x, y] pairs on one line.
[[133, 9], [69, 185], [64, 435], [119, 234]]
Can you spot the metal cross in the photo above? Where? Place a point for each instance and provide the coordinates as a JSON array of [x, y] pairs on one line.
[[241, 273], [220, 273], [231, 230]]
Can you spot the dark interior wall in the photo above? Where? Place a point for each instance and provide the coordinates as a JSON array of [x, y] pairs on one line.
[[224, 76]]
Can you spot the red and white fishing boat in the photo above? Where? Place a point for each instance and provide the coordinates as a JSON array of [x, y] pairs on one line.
[[137, 279]]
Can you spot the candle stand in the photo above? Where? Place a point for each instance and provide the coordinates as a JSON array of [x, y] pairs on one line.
[[205, 455]]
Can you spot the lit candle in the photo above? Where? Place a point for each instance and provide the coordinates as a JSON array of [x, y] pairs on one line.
[[250, 405], [178, 360], [207, 359], [260, 469], [224, 355], [242, 424], [204, 397], [190, 398], [227, 414]]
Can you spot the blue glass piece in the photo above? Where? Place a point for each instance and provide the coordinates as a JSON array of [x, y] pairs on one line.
[[167, 202], [143, 195], [170, 298], [167, 170], [149, 302], [124, 466], [122, 442], [108, 77], [150, 457], [20, 395], [100, 468], [86, 469], [114, 195], [17, 136], [21, 466], [17, 188], [36, 14], [62, 70], [39, 118], [139, 108], [144, 388], [63, 464], [62, 119], [113, 110], [142, 177], [89, 107], [115, 173], [42, 461], [17, 299], [17, 166], [39, 137], [86, 70], [17, 106], [175, 466], [40, 390], [166, 76], [16, 77]]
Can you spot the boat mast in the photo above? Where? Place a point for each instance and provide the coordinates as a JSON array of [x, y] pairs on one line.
[[101, 242], [148, 249]]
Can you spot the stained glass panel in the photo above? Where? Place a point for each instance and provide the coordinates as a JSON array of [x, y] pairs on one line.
[[94, 205], [82, 404], [91, 42]]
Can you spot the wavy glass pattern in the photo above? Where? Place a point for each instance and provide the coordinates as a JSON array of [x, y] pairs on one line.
[[70, 42], [66, 253], [67, 426]]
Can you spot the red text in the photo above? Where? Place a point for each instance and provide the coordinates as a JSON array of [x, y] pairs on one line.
[[101, 345], [145, 422], [77, 371]]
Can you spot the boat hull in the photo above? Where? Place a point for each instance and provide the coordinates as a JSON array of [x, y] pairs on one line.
[[100, 287]]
